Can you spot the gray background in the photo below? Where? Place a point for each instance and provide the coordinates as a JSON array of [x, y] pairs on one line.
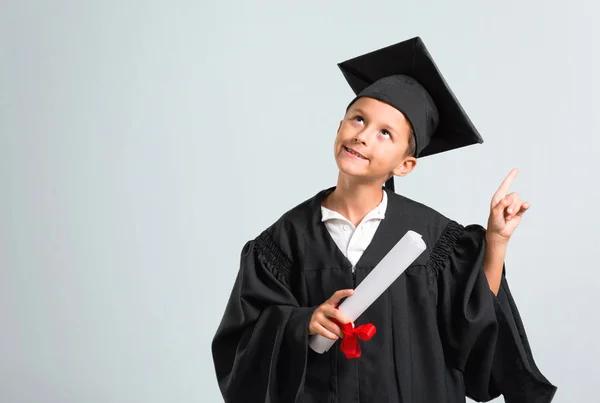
[[142, 143]]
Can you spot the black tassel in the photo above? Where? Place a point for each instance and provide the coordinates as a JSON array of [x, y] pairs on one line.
[[389, 184]]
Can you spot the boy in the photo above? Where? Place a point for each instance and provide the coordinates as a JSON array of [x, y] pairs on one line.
[[446, 329]]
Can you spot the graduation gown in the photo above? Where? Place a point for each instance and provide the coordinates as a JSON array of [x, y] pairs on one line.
[[441, 333]]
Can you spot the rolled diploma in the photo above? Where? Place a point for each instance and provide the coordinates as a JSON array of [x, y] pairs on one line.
[[394, 263]]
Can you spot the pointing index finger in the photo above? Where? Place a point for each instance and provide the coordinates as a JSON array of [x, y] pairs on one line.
[[503, 189]]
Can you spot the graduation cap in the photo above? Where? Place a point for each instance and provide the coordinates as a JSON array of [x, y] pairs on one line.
[[405, 76]]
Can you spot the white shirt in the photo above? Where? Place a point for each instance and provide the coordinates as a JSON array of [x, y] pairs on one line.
[[353, 241]]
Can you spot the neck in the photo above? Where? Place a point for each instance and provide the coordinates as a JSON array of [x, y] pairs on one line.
[[354, 200]]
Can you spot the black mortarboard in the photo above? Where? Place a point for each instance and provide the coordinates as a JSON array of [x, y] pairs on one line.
[[405, 76]]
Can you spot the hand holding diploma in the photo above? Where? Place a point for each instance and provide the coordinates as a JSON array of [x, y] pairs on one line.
[[397, 260], [323, 320]]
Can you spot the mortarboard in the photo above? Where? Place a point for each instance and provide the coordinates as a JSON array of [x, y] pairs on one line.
[[405, 76]]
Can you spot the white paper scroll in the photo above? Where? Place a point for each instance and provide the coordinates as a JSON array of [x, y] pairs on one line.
[[397, 260]]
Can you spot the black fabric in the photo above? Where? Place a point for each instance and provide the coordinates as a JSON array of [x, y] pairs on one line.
[[389, 184], [405, 76], [441, 333]]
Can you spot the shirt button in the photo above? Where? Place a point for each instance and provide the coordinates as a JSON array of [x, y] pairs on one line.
[[346, 227]]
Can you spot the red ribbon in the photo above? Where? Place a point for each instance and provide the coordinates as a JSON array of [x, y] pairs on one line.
[[349, 345]]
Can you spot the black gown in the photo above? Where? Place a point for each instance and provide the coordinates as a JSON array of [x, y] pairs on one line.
[[441, 333]]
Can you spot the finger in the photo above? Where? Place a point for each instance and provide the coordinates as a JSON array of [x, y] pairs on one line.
[[506, 203], [501, 206], [507, 198], [338, 295], [321, 330], [524, 207], [514, 207], [316, 323], [330, 312], [332, 327], [503, 189], [511, 199], [340, 316]]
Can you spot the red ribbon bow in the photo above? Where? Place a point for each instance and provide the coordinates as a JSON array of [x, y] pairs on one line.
[[349, 345]]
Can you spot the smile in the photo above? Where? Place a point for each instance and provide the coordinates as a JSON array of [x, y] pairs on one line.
[[354, 153]]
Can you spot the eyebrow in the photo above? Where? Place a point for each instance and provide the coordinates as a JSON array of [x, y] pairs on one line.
[[384, 125], [358, 110]]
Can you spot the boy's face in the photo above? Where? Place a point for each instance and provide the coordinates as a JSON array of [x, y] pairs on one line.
[[380, 134]]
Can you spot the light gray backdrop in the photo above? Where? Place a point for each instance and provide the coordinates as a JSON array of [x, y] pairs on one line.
[[143, 142]]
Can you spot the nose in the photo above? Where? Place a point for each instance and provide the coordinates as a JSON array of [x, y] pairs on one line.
[[361, 137]]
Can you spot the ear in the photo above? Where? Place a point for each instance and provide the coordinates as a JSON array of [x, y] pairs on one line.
[[340, 126], [406, 167]]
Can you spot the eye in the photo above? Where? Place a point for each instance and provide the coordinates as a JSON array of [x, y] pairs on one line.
[[386, 133], [359, 119]]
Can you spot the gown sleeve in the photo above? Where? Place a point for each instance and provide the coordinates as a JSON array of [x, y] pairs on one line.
[[483, 334], [260, 347]]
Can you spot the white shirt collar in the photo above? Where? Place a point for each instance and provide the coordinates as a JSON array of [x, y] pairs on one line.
[[378, 213]]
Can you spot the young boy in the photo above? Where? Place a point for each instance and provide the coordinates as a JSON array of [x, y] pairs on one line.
[[446, 328]]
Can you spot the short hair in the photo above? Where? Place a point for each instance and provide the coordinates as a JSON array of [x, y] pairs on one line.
[[412, 143]]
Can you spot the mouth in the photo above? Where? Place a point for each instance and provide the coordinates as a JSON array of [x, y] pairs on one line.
[[354, 153]]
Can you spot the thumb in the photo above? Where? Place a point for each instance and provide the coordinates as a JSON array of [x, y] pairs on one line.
[[502, 205]]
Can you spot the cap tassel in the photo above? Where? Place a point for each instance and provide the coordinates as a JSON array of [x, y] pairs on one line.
[[389, 184]]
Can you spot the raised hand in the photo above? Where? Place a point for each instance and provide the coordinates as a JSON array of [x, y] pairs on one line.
[[506, 211], [321, 321]]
